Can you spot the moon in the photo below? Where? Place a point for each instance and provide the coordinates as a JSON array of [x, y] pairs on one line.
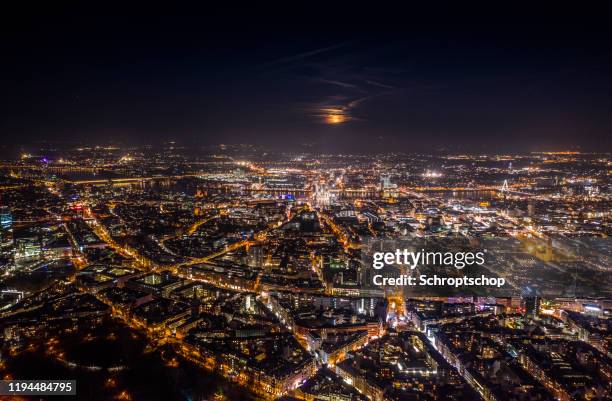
[[335, 119]]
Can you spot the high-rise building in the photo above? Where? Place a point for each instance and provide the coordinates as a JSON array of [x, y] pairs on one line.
[[255, 256], [7, 248], [6, 229], [532, 306]]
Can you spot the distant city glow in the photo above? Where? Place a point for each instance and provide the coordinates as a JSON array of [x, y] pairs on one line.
[[432, 174]]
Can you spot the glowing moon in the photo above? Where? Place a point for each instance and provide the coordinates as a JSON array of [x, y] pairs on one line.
[[335, 119]]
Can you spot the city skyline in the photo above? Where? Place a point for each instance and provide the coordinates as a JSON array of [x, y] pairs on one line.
[[322, 203], [159, 273]]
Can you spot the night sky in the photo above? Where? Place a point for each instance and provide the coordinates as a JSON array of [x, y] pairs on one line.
[[333, 80]]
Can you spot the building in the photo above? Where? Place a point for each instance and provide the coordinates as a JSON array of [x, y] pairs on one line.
[[7, 249], [532, 306]]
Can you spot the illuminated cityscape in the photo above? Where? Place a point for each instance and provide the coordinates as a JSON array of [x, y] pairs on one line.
[[249, 268], [310, 203]]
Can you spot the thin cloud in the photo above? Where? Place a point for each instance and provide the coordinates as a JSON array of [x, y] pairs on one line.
[[348, 85], [303, 56], [379, 84], [342, 84]]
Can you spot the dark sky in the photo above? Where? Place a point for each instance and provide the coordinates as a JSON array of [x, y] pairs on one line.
[[379, 79]]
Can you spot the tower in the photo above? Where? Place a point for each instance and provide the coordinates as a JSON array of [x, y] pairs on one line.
[[531, 208]]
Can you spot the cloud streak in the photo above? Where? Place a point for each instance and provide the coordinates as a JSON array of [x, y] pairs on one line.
[[347, 96], [302, 56], [339, 84]]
